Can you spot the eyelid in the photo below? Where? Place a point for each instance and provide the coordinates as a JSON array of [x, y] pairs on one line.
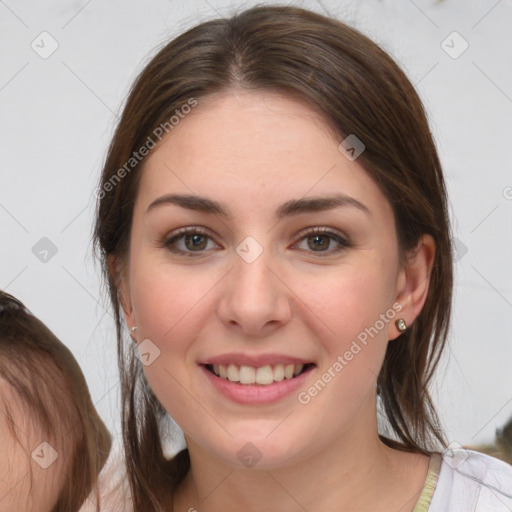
[[187, 230], [321, 230]]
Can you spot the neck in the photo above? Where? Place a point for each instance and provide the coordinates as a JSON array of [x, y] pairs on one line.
[[355, 472]]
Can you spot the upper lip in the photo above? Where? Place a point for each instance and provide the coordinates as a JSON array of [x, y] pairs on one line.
[[255, 361]]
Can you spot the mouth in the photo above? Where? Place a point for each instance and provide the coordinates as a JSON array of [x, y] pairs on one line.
[[263, 376]]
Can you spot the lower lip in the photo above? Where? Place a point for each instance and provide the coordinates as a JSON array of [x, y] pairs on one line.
[[256, 393]]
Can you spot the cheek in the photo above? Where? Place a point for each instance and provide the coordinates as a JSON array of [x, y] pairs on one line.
[[170, 304], [165, 300], [353, 300], [354, 317], [354, 311]]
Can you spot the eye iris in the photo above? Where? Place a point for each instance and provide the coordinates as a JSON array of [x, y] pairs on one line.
[[316, 245], [196, 241]]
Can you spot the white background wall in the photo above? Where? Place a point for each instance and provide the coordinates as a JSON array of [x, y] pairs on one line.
[[57, 115]]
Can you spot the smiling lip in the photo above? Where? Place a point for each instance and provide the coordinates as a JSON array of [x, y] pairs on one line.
[[255, 361], [256, 393]]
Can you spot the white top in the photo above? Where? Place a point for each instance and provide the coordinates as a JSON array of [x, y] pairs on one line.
[[468, 481]]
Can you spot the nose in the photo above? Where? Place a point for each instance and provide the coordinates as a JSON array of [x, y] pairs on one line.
[[255, 299]]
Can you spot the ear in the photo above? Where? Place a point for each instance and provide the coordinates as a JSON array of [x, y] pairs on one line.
[[413, 282], [118, 274]]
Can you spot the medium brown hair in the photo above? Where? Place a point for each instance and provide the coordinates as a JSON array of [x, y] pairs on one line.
[[46, 378], [360, 90]]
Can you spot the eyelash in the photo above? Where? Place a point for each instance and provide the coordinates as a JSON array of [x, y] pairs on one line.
[[333, 235]]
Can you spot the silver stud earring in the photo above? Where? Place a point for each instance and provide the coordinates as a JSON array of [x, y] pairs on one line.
[[401, 325], [134, 328]]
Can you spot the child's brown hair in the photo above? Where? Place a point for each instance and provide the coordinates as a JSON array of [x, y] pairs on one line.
[[40, 377]]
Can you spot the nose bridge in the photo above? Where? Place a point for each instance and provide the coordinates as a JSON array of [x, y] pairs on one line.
[[252, 265], [254, 297]]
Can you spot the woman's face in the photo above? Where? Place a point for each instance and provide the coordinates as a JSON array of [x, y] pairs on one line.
[[255, 286]]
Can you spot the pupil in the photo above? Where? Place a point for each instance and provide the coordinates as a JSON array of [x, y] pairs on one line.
[[320, 245], [196, 241]]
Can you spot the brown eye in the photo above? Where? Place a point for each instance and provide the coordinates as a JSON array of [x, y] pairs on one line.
[[195, 242], [320, 240], [188, 241]]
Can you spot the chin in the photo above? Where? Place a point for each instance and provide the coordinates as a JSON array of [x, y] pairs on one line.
[[264, 450]]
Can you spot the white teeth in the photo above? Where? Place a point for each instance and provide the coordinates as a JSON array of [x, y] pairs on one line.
[[298, 369], [233, 373], [247, 375], [288, 371], [278, 372], [264, 375]]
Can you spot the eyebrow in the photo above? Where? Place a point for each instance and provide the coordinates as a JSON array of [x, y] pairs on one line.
[[292, 207]]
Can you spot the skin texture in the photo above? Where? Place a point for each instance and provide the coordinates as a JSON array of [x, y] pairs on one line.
[[17, 491], [253, 151]]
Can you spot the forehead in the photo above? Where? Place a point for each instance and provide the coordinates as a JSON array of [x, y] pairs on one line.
[[247, 145], [240, 126]]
